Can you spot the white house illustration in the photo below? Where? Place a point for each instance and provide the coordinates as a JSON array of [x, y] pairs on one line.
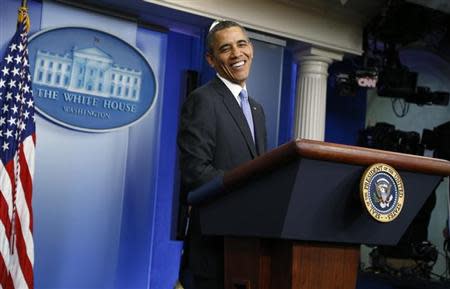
[[89, 70]]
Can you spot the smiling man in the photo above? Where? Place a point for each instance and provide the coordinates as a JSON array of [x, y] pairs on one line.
[[230, 53], [221, 128]]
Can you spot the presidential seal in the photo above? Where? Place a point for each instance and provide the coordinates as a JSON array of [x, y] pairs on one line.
[[382, 192]]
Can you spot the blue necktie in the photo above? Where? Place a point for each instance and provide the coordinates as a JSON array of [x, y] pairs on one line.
[[247, 111]]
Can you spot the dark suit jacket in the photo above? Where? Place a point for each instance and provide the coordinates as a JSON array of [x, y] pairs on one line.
[[214, 137]]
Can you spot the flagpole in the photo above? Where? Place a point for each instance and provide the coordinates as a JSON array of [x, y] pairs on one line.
[[23, 15]]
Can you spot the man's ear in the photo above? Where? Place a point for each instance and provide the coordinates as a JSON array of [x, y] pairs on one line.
[[250, 44], [210, 58]]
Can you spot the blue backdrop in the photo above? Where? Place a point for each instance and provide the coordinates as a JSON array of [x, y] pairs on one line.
[[104, 202]]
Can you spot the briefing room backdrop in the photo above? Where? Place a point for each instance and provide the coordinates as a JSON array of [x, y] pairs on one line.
[[103, 202], [94, 193]]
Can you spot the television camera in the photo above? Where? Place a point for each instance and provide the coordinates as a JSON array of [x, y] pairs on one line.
[[395, 27]]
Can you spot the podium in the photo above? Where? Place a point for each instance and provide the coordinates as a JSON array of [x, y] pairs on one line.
[[293, 219]]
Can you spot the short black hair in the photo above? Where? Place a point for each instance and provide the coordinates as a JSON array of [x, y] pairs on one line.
[[218, 27]]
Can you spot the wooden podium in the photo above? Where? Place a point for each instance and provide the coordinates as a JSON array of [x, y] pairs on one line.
[[293, 218]]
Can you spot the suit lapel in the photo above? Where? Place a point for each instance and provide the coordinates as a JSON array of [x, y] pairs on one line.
[[235, 110], [259, 123]]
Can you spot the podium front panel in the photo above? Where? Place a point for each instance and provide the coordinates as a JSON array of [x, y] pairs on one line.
[[312, 200]]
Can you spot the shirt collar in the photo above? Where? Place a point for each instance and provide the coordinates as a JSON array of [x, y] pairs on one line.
[[234, 88]]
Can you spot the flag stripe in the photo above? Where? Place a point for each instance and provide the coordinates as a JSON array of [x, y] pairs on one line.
[[16, 272], [29, 150], [25, 188], [4, 216], [5, 250], [24, 209], [6, 280], [26, 268], [6, 188]]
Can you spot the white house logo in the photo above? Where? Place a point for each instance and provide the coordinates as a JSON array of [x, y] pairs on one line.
[[89, 80], [382, 192]]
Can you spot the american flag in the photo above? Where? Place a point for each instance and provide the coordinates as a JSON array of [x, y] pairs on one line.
[[17, 146]]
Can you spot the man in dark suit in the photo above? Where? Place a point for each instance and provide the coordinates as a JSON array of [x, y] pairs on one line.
[[220, 129]]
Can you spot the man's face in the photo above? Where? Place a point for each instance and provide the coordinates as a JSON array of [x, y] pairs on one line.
[[232, 55]]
